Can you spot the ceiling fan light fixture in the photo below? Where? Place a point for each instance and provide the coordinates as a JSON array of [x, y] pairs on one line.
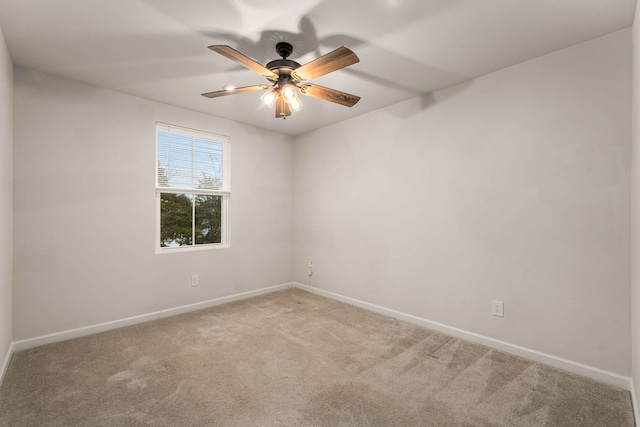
[[288, 92], [286, 77], [295, 104], [269, 98]]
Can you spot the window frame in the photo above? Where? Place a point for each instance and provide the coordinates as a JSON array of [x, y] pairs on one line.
[[225, 192]]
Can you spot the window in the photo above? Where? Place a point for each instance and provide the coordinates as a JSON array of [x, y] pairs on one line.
[[192, 189]]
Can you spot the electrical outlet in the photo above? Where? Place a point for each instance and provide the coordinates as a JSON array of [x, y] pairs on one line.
[[497, 308], [195, 280], [309, 268]]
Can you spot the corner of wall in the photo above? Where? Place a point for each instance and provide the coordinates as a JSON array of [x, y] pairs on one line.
[[635, 211], [6, 206]]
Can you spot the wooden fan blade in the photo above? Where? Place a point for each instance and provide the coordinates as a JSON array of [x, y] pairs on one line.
[[236, 90], [332, 61], [234, 55], [327, 94], [282, 108]]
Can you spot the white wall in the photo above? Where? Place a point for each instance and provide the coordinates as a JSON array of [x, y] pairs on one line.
[[85, 209], [635, 209], [6, 200], [514, 186]]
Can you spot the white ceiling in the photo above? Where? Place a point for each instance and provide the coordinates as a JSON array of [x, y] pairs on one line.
[[157, 49]]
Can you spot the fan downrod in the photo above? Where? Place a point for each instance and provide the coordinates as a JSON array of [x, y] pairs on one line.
[[284, 66]]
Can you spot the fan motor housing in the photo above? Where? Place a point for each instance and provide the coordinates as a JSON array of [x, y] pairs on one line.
[[285, 64]]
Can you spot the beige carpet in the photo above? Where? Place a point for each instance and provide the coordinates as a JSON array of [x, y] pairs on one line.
[[292, 358]]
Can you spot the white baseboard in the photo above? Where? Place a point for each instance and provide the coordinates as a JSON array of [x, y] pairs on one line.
[[557, 362], [5, 362], [597, 374], [102, 327], [634, 402]]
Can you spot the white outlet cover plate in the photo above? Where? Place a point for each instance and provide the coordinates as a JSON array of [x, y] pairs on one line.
[[497, 308]]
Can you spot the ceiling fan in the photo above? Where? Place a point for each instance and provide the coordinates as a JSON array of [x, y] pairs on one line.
[[287, 77]]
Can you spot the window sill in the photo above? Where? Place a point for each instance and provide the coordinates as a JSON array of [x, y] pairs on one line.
[[181, 249]]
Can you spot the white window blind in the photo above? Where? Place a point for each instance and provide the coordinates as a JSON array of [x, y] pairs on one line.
[[190, 159]]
